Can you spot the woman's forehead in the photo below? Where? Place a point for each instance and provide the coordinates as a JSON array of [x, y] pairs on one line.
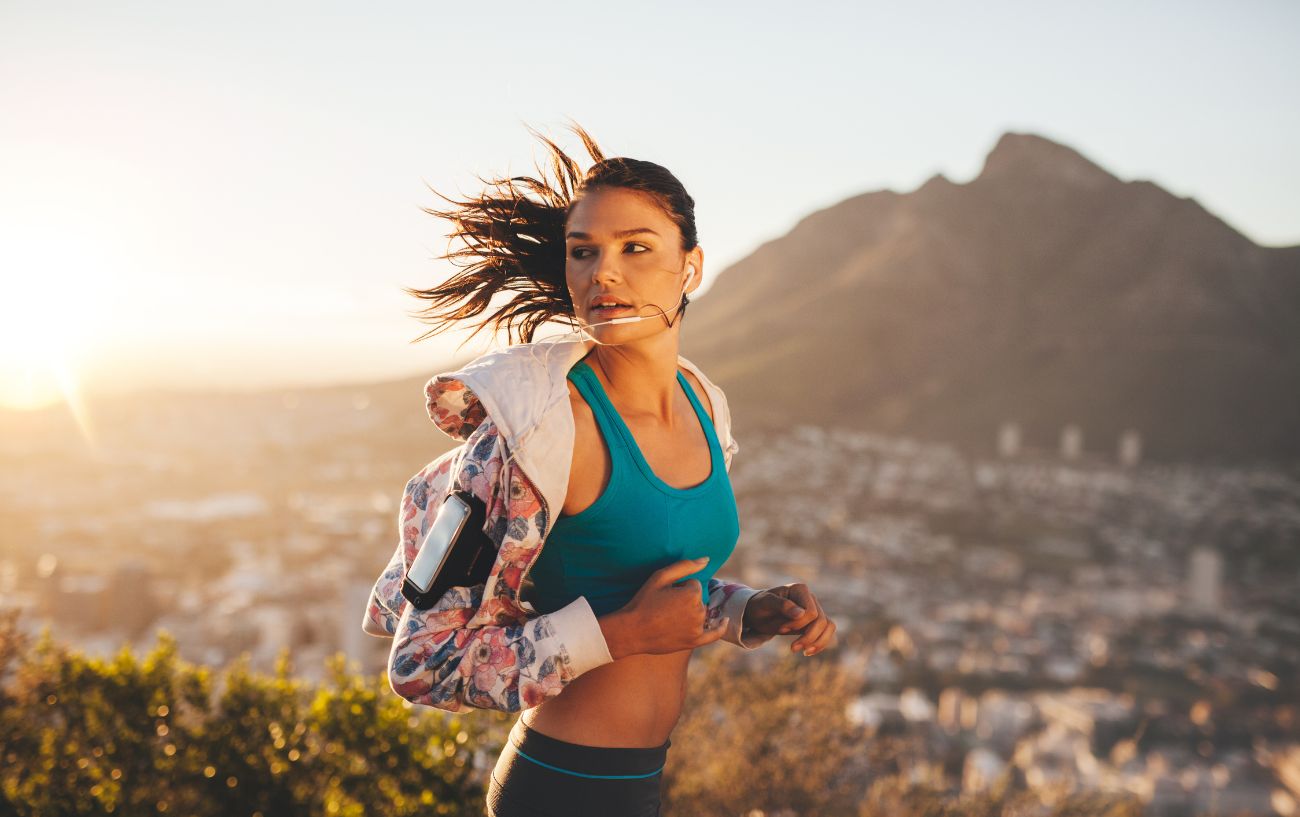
[[611, 210]]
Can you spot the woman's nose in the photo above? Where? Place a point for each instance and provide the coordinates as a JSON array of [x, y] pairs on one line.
[[607, 269]]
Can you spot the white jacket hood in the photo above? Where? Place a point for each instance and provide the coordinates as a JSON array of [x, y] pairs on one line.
[[523, 389]]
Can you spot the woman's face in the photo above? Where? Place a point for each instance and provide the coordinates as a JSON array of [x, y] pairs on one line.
[[619, 243]]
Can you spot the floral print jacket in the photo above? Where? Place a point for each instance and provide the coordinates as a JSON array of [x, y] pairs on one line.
[[485, 646]]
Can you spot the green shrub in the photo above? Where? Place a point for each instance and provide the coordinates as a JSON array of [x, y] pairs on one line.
[[156, 735]]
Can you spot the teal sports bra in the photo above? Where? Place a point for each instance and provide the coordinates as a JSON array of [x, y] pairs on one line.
[[638, 524]]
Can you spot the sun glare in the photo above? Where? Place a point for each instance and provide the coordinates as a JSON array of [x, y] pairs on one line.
[[44, 323], [35, 356], [34, 361]]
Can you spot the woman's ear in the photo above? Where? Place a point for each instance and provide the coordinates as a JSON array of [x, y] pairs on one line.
[[695, 269]]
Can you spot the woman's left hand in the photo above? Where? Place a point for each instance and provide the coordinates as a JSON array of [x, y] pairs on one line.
[[791, 608]]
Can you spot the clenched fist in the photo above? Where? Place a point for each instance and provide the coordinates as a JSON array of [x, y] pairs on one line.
[[662, 617]]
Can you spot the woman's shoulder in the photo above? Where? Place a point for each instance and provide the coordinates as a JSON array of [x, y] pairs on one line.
[[711, 395], [700, 393], [714, 400]]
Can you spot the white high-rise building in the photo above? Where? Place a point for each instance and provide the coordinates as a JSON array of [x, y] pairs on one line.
[[1130, 448], [1204, 577], [1009, 439], [1071, 442]]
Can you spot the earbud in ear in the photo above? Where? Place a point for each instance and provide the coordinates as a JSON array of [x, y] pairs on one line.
[[690, 273]]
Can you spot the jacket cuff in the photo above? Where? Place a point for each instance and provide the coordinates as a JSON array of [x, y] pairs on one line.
[[734, 609], [579, 631]]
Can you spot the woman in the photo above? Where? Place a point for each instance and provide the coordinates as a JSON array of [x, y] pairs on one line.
[[629, 443]]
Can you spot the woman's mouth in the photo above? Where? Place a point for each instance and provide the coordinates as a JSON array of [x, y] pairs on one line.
[[611, 309]]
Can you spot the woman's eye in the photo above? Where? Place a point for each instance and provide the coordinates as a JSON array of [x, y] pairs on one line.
[[578, 252]]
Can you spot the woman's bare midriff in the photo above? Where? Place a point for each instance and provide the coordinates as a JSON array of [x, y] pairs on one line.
[[636, 700]]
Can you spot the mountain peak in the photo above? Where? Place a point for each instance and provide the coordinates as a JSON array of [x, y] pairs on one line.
[[1033, 156], [1063, 294]]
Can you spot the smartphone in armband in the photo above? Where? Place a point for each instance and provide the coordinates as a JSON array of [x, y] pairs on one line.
[[455, 553]]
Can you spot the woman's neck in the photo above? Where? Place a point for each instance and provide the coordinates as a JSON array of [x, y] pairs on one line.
[[640, 377]]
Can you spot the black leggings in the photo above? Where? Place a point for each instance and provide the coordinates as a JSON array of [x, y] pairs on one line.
[[537, 775]]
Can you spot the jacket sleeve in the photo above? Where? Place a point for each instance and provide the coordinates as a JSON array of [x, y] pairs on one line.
[[728, 598], [465, 653]]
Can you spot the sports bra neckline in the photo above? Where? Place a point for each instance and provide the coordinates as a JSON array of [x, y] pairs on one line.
[[587, 375]]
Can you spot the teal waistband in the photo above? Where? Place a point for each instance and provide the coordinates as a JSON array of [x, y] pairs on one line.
[[580, 760], [522, 753]]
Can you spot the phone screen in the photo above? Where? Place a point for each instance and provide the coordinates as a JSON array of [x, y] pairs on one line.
[[446, 527]]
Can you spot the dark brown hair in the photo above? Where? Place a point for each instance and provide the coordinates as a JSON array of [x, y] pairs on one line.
[[514, 242]]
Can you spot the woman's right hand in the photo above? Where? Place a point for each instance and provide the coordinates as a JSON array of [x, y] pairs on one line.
[[662, 617]]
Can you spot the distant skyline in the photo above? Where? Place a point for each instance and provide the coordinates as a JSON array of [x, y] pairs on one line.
[[228, 195]]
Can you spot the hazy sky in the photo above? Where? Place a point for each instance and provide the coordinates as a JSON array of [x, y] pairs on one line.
[[228, 194]]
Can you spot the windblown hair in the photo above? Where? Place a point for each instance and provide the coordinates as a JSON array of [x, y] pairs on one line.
[[514, 242]]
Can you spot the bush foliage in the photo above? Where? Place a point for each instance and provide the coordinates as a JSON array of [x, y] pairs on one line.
[[156, 735]]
